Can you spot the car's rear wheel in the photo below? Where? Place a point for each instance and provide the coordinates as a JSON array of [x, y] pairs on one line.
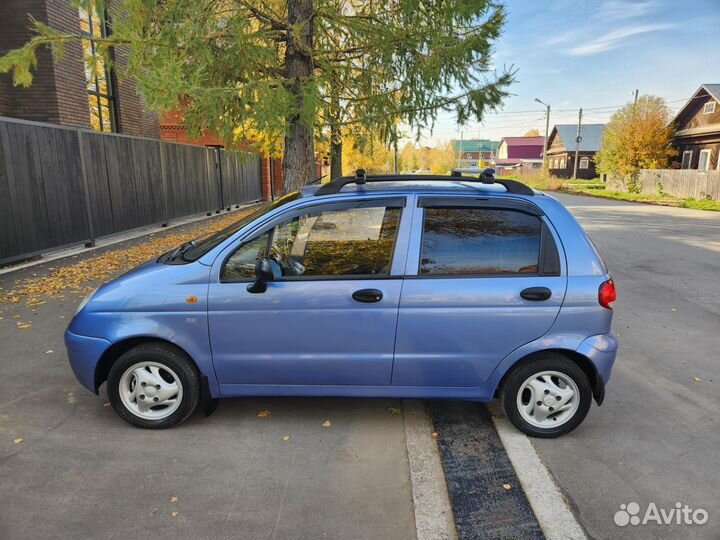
[[154, 386], [547, 396]]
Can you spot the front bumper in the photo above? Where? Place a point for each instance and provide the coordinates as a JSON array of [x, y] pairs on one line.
[[84, 353]]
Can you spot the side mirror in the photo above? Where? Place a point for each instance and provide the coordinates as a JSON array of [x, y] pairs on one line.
[[263, 274]]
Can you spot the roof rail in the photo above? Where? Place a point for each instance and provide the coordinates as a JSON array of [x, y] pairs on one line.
[[487, 177]]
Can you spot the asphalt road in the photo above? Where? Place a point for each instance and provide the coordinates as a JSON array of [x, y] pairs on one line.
[[656, 439], [82, 473]]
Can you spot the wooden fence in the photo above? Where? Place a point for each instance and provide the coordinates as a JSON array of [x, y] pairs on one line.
[[61, 186], [681, 183]]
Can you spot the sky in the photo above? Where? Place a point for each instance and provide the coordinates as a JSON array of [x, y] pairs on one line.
[[594, 54]]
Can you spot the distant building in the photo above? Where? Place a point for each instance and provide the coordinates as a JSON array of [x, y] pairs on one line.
[[518, 152], [698, 130], [66, 91], [474, 152], [561, 149]]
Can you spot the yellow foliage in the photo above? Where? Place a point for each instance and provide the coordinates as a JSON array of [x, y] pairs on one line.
[[377, 158]]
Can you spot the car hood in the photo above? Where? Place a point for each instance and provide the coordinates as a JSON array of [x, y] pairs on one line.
[[151, 286]]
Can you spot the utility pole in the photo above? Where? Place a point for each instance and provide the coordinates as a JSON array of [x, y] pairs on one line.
[[637, 91], [578, 139], [547, 134]]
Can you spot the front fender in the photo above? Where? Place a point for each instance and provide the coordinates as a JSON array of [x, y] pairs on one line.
[[186, 329]]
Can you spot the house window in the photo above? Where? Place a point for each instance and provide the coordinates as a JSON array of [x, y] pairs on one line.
[[686, 159], [563, 163], [584, 163], [709, 107], [98, 75], [704, 160]]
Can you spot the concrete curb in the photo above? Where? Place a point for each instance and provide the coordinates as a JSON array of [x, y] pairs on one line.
[[551, 510], [433, 514]]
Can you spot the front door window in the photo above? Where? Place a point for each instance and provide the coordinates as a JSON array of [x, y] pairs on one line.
[[347, 242]]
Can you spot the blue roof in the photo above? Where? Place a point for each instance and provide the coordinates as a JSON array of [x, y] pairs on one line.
[[591, 136]]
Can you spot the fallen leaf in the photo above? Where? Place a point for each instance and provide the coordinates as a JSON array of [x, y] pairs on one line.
[[79, 276], [173, 514], [434, 434], [173, 499], [106, 404], [264, 413], [697, 379], [18, 441], [23, 326], [49, 351], [393, 410], [673, 309], [286, 437], [507, 486], [327, 423]]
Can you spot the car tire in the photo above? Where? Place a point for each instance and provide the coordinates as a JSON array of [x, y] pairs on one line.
[[547, 396], [154, 386]]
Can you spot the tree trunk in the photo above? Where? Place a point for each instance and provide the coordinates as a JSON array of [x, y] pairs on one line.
[[299, 159], [336, 149]]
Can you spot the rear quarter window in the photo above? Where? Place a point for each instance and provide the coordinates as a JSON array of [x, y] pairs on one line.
[[461, 241]]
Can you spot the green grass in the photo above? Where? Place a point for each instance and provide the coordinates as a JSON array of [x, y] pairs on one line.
[[702, 204], [595, 187], [662, 200]]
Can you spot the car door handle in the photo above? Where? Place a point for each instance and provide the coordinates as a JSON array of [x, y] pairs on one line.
[[536, 294], [367, 296]]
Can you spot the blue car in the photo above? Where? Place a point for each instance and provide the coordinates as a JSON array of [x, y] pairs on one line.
[[366, 286]]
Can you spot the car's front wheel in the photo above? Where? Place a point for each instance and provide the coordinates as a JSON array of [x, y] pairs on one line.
[[153, 386], [547, 396]]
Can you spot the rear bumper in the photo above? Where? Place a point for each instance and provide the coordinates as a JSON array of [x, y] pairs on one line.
[[84, 353], [601, 350]]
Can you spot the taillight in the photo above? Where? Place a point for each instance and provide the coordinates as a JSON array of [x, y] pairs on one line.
[[607, 294]]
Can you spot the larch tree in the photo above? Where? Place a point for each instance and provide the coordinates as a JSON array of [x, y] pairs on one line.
[[638, 136], [281, 72]]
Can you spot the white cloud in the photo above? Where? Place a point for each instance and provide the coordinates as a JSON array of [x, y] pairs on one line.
[[615, 38], [619, 9]]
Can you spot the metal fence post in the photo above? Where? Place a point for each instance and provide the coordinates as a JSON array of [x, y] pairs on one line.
[[86, 189]]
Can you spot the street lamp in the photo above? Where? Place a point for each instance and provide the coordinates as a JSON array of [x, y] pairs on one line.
[[547, 127]]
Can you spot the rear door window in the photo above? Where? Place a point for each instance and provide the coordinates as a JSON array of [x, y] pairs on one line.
[[480, 241]]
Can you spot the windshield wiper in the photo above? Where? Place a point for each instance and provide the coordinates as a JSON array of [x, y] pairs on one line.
[[180, 251]]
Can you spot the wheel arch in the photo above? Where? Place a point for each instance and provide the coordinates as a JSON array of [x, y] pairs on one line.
[[116, 350], [582, 361]]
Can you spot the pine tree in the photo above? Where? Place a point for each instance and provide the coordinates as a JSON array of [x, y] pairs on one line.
[[280, 72]]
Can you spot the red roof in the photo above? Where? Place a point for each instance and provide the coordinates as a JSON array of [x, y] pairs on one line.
[[524, 147], [532, 141]]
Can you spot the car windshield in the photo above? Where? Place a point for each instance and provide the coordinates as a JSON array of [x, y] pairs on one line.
[[197, 248]]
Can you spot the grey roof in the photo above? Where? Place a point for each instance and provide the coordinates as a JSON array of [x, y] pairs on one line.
[[712, 89], [591, 136]]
